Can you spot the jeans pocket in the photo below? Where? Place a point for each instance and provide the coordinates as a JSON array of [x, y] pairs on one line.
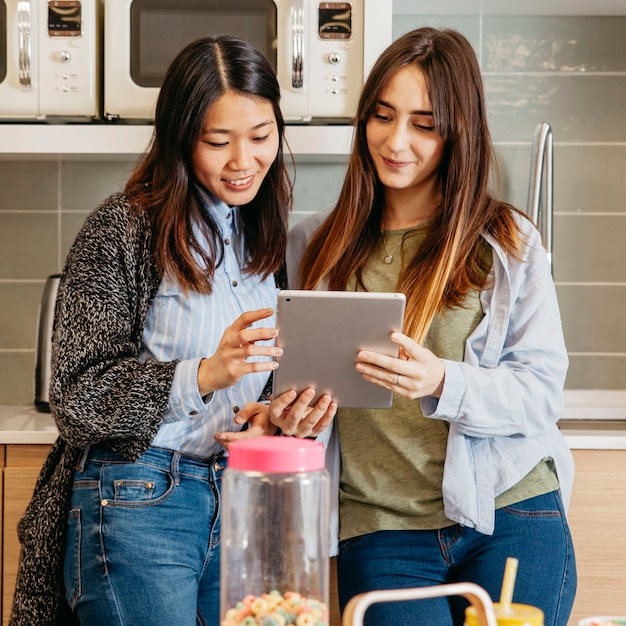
[[71, 565], [134, 485], [547, 505]]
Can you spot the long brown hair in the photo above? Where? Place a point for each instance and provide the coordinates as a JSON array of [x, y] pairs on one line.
[[449, 263], [163, 183]]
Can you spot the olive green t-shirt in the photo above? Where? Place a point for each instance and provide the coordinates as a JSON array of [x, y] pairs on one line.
[[392, 459]]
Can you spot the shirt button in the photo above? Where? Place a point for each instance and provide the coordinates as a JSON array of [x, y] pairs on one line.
[[234, 283], [193, 413], [227, 242], [236, 409]]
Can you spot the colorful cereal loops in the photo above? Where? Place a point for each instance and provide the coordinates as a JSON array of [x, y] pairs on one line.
[[273, 609]]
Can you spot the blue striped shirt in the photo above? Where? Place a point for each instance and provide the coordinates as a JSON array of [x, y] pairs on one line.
[[189, 327]]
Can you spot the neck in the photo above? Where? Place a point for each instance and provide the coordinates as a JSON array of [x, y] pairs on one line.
[[399, 217]]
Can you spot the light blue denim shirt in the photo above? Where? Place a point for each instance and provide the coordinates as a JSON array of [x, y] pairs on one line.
[[189, 327], [504, 399]]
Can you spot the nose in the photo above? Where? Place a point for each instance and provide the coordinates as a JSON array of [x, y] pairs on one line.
[[241, 157], [397, 140]]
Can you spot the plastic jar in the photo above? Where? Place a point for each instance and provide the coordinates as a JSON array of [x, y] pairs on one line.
[[275, 535], [518, 615]]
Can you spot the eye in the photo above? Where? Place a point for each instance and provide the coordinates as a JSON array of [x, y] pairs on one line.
[[260, 139], [381, 117], [214, 139], [424, 127]]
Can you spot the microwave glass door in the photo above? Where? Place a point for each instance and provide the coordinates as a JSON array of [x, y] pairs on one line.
[[159, 29], [3, 41]]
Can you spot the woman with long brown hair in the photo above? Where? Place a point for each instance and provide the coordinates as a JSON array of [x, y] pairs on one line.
[[468, 466]]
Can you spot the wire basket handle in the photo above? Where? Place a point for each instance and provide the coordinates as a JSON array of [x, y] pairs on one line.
[[477, 596]]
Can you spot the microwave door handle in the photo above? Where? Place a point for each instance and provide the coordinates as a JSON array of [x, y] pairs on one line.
[[23, 32], [297, 34]]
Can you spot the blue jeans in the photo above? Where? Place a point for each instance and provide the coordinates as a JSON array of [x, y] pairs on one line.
[[534, 531], [143, 540]]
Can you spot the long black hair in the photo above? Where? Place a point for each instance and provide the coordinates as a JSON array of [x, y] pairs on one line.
[[163, 183]]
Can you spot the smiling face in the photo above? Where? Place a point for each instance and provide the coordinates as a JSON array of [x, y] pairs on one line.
[[401, 138], [237, 146]]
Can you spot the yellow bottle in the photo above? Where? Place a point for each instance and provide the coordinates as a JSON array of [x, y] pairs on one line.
[[517, 615]]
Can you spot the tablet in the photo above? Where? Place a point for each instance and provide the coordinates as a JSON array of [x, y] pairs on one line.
[[321, 333]]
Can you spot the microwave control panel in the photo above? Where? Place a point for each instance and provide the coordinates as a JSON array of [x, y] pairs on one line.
[[64, 18], [334, 20]]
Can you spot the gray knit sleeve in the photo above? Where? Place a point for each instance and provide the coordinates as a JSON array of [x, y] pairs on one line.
[[100, 392]]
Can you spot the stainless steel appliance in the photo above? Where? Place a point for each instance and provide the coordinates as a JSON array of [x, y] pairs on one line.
[[43, 347], [321, 50], [49, 61]]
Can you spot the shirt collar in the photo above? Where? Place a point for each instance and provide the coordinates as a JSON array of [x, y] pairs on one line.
[[221, 212]]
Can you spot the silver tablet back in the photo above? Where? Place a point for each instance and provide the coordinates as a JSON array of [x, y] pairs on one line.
[[321, 333]]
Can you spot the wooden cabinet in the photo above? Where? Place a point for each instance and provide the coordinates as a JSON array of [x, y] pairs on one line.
[[22, 463], [597, 518], [2, 548]]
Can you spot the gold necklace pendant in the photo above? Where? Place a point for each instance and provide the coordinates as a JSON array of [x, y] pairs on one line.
[[388, 258]]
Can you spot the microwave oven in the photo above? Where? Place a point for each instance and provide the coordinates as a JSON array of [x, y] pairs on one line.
[[321, 51], [49, 65]]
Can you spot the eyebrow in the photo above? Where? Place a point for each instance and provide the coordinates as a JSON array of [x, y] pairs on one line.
[[226, 131], [416, 112]]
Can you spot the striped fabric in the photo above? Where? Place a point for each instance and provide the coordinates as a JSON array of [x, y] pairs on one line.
[[189, 328]]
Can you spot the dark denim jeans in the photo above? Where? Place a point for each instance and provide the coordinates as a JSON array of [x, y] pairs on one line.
[[534, 531], [143, 540]]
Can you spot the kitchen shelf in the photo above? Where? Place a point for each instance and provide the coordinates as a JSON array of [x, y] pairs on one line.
[[45, 141]]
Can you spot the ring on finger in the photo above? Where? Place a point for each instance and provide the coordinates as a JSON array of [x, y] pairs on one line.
[[398, 379]]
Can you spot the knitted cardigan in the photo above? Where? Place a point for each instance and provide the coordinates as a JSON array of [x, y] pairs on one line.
[[100, 392]]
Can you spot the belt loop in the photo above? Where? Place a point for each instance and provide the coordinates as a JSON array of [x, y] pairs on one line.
[[218, 463], [80, 467], [174, 467]]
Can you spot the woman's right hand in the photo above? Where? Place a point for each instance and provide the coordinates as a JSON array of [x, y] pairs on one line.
[[229, 363], [295, 416]]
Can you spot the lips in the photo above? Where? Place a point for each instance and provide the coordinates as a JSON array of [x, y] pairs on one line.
[[239, 184], [395, 164]]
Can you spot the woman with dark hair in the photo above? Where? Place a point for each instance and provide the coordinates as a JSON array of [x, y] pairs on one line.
[[468, 467], [163, 343]]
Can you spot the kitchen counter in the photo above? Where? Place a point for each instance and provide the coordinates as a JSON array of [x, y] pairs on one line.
[[24, 424], [592, 420]]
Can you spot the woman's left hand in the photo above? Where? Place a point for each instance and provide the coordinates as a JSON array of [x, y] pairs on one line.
[[257, 416], [416, 373]]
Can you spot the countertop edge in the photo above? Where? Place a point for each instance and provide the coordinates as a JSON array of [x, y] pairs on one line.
[[595, 440], [26, 425]]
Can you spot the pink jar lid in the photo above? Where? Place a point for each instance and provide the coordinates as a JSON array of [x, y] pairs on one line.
[[276, 455]]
